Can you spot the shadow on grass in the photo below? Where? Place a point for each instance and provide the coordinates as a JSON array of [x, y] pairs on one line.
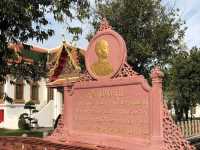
[[20, 132]]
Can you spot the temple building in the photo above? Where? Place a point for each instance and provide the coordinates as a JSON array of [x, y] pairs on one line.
[[63, 64]]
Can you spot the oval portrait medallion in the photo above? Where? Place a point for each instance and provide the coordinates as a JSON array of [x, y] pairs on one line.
[[105, 54]]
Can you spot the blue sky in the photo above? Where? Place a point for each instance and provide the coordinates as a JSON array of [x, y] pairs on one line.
[[189, 11]]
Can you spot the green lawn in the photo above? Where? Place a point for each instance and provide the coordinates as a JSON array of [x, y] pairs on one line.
[[20, 132]]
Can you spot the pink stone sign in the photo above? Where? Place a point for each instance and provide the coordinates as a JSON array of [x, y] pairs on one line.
[[116, 111], [113, 113], [112, 106]]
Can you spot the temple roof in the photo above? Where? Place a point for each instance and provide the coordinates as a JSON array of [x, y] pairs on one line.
[[63, 62]]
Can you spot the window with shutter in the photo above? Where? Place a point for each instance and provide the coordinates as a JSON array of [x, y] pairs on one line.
[[19, 91], [35, 93], [1, 92], [50, 94]]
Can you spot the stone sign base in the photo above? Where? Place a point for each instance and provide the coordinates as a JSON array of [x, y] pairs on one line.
[[29, 143], [173, 138]]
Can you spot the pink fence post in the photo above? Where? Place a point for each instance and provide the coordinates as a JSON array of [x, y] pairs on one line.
[[196, 131], [198, 126], [192, 127], [179, 124], [157, 103], [189, 127], [197, 122], [186, 129], [68, 91], [182, 128]]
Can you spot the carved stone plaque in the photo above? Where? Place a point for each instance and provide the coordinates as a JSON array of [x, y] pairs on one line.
[[116, 111]]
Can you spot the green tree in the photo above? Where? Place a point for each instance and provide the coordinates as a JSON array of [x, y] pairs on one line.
[[184, 82], [152, 33], [30, 105], [21, 20]]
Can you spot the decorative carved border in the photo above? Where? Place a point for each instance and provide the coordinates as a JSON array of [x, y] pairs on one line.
[[125, 71]]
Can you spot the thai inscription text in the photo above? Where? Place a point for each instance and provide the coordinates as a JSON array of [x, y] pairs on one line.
[[112, 110]]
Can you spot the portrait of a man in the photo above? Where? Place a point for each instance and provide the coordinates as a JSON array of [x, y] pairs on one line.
[[102, 67]]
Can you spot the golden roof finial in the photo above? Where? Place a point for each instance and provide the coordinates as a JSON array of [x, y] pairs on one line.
[[104, 25], [64, 39]]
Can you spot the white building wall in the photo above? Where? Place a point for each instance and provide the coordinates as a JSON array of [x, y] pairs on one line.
[[11, 115], [13, 111], [197, 111], [45, 115], [195, 114], [58, 103]]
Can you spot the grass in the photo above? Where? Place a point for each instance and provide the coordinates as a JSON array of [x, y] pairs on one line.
[[20, 132]]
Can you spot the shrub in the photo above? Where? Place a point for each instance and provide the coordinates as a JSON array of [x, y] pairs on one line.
[[22, 123]]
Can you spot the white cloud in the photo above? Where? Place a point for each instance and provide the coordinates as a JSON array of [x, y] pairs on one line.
[[190, 12]]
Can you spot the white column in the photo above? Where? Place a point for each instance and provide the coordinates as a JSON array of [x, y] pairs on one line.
[[57, 103], [27, 92], [42, 92], [10, 89]]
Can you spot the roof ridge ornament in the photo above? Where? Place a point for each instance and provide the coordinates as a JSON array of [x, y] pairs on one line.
[[104, 25]]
